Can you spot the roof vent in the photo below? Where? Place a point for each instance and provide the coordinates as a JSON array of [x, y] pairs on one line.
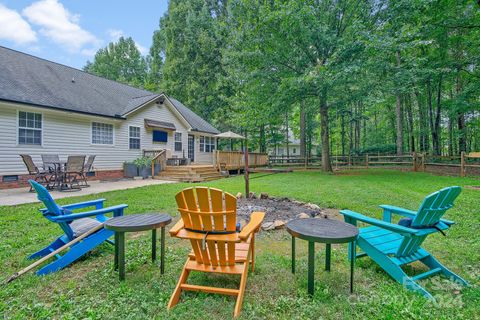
[[73, 79]]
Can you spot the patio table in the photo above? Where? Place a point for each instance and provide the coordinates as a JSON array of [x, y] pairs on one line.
[[326, 231], [133, 223], [59, 174]]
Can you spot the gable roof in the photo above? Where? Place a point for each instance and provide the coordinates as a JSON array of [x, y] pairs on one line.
[[31, 80], [196, 122]]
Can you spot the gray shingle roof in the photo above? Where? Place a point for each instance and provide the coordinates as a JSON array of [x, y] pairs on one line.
[[196, 122], [35, 81]]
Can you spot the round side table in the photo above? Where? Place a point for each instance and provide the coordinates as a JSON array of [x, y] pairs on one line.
[[133, 223], [325, 231]]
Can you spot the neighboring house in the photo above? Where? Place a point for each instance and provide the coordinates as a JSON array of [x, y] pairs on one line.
[[49, 108], [293, 147]]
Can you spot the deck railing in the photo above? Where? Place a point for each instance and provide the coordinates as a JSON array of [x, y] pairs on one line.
[[159, 157], [235, 160]]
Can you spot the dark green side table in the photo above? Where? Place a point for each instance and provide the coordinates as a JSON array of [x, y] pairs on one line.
[[134, 223], [325, 231]]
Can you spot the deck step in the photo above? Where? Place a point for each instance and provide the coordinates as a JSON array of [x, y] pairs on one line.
[[426, 274], [191, 173]]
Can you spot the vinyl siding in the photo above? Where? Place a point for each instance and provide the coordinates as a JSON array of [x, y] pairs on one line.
[[67, 133]]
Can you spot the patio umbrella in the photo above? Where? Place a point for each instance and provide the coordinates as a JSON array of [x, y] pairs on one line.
[[232, 135]]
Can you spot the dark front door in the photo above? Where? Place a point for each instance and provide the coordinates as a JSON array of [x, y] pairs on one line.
[[191, 147]]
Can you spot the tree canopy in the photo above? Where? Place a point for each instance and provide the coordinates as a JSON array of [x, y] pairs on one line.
[[352, 76]]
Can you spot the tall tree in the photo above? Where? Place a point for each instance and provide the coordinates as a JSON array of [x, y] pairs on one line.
[[120, 61]]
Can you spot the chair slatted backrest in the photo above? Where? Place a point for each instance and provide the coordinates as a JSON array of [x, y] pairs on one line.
[[31, 167], [430, 212], [207, 209], [89, 163], [75, 163], [53, 208]]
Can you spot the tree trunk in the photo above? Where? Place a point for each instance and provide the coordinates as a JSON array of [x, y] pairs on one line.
[[437, 117], [399, 116], [342, 120], [423, 136], [326, 165], [462, 129], [286, 134], [263, 143], [303, 134], [411, 135]]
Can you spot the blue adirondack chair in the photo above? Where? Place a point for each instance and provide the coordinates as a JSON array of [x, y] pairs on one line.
[[393, 245], [73, 225]]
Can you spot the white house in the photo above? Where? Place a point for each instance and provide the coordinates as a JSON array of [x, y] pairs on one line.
[[49, 108], [293, 147]]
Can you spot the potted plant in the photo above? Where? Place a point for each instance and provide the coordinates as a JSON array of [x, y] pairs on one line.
[[130, 170], [143, 163]]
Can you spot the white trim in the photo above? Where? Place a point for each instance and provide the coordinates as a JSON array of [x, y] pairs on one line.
[[179, 115], [175, 141], [139, 137], [102, 144], [141, 106], [17, 126]]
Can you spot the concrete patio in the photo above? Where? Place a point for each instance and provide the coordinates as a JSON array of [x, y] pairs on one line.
[[10, 197]]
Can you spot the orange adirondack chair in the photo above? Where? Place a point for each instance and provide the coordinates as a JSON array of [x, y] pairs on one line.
[[209, 222]]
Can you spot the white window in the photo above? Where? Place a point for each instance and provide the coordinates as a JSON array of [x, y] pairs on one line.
[[207, 144], [134, 137], [29, 128], [102, 133], [178, 141]]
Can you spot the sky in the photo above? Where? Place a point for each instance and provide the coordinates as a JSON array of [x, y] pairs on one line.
[[71, 31]]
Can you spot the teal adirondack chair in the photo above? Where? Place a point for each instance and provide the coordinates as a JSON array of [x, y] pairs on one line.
[[392, 245], [73, 225]]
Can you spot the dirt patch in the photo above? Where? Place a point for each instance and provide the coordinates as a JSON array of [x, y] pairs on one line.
[[473, 187], [281, 209]]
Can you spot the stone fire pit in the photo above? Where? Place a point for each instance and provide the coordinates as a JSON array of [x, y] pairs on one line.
[[278, 211]]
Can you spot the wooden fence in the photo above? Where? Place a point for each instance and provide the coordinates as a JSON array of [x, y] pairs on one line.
[[463, 164], [235, 160]]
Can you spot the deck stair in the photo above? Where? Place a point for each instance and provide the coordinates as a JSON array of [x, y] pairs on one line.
[[191, 173]]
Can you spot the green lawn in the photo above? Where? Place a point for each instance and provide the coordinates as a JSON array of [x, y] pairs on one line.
[[90, 288]]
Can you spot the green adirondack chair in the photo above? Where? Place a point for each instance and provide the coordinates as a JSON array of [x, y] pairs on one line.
[[392, 245]]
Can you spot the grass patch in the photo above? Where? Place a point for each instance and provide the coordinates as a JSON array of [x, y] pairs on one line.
[[90, 288]]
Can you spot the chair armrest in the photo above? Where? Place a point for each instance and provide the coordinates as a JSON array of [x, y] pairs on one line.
[[176, 228], [75, 216], [256, 220], [354, 216], [85, 204], [387, 209], [80, 205]]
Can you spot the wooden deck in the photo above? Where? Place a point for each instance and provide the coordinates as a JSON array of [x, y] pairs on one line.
[[235, 160]]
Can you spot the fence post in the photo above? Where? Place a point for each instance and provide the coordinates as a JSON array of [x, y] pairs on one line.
[[366, 160], [462, 164], [414, 161]]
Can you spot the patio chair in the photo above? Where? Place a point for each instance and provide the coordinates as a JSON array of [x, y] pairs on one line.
[[73, 225], [74, 172], [209, 222], [40, 175], [86, 169], [395, 245], [48, 159]]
